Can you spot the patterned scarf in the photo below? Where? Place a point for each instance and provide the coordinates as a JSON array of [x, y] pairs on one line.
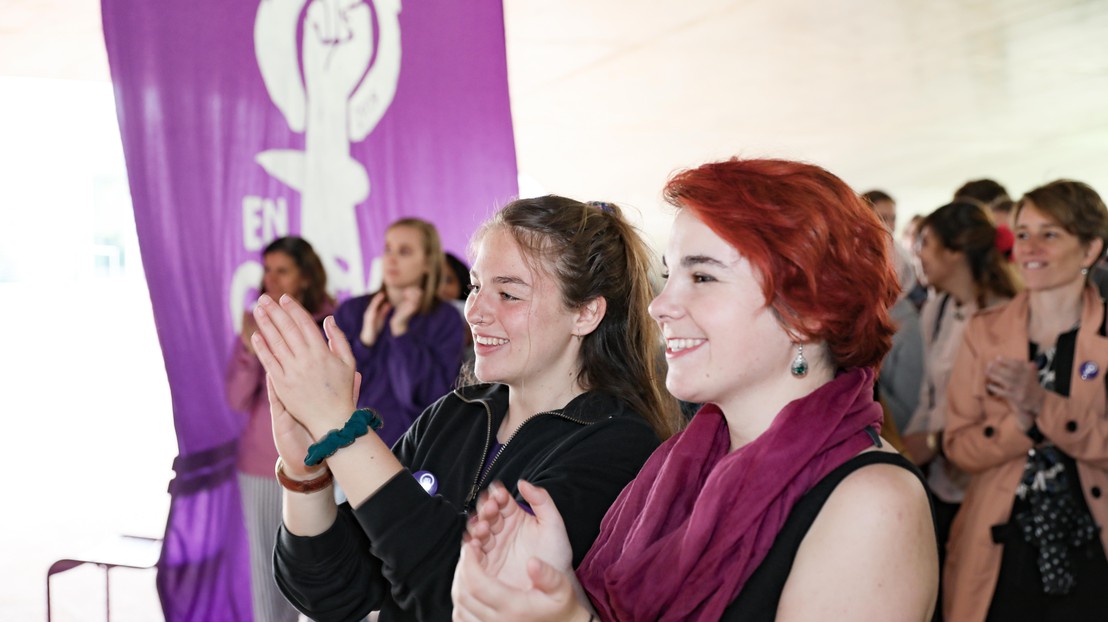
[[1052, 519], [687, 533]]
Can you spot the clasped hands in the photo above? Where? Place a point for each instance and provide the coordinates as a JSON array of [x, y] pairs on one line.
[[378, 309], [1017, 383]]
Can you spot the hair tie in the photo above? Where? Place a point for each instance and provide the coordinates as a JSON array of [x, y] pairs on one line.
[[1004, 240], [603, 206], [360, 423]]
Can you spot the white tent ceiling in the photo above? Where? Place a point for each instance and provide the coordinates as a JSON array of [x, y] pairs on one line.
[[610, 96]]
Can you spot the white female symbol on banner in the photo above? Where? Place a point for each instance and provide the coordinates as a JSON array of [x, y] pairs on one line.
[[337, 103]]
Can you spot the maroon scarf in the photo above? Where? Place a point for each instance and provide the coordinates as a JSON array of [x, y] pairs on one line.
[[683, 537]]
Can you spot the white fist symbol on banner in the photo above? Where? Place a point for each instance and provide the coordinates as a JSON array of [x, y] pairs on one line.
[[338, 101]]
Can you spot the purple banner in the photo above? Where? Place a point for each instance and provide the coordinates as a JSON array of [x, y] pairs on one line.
[[244, 121]]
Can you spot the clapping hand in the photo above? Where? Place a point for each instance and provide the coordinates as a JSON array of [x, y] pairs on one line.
[[1016, 382], [313, 380], [515, 565], [249, 327], [509, 536], [408, 306], [374, 318]]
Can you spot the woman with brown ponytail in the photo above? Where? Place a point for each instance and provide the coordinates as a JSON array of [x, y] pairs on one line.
[[572, 401], [961, 260]]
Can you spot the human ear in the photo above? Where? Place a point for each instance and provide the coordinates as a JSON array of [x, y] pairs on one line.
[[798, 327], [589, 316], [1094, 250]]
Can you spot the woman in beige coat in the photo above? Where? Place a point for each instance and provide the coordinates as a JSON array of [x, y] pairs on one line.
[[1026, 418]]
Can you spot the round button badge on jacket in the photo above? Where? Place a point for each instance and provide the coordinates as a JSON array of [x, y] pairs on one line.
[[427, 480], [1089, 370]]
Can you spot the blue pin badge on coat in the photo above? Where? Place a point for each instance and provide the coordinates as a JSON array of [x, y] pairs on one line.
[[429, 482], [1089, 370]]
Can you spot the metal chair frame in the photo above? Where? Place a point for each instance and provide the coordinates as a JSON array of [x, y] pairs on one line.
[[125, 551]]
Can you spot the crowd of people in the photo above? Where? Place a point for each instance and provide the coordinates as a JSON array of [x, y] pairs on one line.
[[908, 428], [1010, 425]]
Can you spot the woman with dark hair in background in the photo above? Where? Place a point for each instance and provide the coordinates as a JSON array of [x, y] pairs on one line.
[[407, 343], [1026, 419], [572, 401], [993, 198], [961, 261], [455, 278], [984, 192], [454, 288], [779, 499], [293, 268]]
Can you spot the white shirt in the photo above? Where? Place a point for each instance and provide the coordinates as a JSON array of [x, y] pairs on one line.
[[940, 348]]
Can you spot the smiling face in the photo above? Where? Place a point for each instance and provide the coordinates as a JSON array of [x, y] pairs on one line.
[[405, 258], [722, 341], [1048, 256], [523, 335]]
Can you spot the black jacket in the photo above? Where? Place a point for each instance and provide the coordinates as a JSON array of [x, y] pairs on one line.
[[397, 551]]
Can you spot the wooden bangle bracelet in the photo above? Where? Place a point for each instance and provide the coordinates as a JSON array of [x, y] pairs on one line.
[[304, 487]]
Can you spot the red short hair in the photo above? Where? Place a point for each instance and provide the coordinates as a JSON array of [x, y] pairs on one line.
[[820, 250]]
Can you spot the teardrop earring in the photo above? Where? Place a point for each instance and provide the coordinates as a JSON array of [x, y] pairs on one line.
[[799, 367]]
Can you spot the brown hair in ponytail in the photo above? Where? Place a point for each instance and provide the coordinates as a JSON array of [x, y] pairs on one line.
[[592, 251]]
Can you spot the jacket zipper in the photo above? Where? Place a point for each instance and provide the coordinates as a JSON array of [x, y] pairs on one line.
[[480, 484], [488, 443], [478, 480]]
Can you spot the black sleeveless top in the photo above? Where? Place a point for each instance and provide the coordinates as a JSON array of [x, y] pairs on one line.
[[760, 596]]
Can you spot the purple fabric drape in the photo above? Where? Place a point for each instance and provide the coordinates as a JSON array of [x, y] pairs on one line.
[[244, 121]]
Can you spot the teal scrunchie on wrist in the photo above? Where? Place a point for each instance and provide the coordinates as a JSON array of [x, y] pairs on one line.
[[361, 421]]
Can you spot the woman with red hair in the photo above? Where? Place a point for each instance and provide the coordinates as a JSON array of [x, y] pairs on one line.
[[780, 500]]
